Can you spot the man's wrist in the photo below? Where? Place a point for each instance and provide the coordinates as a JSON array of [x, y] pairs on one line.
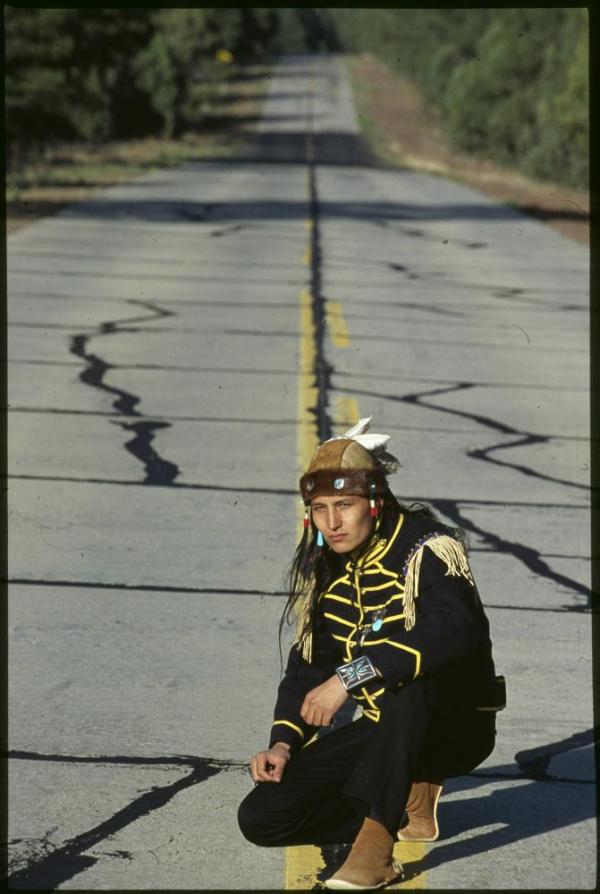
[[285, 745]]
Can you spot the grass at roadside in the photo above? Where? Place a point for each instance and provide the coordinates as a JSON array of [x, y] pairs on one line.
[[61, 173], [402, 133]]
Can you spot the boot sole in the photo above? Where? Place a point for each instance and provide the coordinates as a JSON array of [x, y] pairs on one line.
[[340, 885], [416, 840]]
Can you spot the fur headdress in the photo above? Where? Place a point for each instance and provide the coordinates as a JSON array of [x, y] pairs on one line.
[[352, 463]]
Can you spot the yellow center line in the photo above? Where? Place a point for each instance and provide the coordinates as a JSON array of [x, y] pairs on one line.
[[346, 411], [301, 867], [302, 863], [336, 323], [307, 389], [407, 853]]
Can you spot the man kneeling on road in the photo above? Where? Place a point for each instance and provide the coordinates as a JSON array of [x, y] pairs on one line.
[[388, 614]]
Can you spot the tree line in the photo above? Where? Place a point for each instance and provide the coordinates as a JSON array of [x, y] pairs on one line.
[[507, 84], [98, 74]]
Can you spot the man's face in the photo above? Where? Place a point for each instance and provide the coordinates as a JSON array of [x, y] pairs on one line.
[[344, 521]]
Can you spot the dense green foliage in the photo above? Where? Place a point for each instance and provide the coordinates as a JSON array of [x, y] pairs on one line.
[[508, 84], [95, 74]]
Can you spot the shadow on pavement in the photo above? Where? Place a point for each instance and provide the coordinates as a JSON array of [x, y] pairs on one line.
[[275, 146], [554, 213], [180, 210], [325, 147], [231, 98], [528, 805], [54, 866]]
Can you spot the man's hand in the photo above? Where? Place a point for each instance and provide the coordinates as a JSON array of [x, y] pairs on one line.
[[268, 766], [322, 702]]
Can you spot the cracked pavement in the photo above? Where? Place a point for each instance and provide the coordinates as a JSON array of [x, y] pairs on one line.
[[154, 351]]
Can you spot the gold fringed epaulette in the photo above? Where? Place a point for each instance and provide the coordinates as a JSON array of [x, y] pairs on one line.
[[446, 548], [303, 638]]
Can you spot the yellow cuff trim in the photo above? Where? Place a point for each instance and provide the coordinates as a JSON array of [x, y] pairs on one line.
[[293, 726]]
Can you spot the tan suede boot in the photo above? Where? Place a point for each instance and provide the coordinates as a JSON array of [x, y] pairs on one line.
[[369, 864], [421, 808]]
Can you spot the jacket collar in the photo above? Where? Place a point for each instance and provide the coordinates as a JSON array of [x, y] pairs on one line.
[[379, 548]]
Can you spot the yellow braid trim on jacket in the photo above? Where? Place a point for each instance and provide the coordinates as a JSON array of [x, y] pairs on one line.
[[446, 548]]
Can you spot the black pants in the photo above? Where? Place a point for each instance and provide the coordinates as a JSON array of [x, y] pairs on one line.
[[366, 769]]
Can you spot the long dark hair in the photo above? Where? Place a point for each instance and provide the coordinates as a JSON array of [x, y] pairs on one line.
[[314, 568]]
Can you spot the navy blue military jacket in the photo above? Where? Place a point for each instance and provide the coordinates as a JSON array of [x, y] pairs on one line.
[[410, 603]]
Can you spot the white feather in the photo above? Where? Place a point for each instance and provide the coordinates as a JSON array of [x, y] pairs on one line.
[[361, 426], [372, 441]]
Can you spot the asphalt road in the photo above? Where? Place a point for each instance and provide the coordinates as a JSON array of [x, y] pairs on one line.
[[176, 345]]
